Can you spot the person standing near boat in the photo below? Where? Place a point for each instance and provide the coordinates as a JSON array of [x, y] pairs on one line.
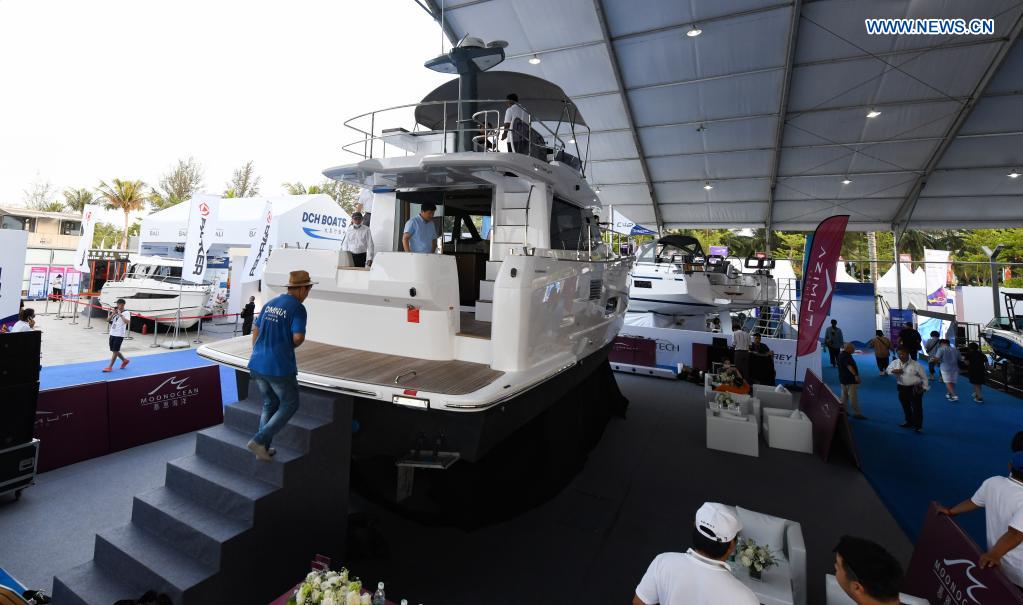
[[359, 242], [976, 363], [248, 314], [279, 330], [420, 234], [741, 341], [519, 143]]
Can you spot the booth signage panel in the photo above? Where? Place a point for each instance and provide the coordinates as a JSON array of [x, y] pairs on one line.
[[13, 245], [896, 319], [944, 568], [824, 410], [71, 423], [154, 407], [37, 282], [676, 346]]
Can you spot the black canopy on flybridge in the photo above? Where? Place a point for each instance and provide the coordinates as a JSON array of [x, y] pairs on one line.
[[688, 245]]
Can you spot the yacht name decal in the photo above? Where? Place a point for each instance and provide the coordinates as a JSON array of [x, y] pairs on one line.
[[326, 220]]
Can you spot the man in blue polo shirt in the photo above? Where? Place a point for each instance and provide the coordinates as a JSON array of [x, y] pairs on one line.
[[279, 330], [419, 234]]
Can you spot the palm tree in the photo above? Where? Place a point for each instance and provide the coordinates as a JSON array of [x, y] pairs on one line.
[[50, 207], [126, 196], [77, 199]]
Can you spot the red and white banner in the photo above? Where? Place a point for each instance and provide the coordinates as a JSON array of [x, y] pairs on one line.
[[203, 213], [819, 281], [259, 246]]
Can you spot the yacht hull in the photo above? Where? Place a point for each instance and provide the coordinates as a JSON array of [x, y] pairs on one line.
[[161, 302], [1006, 343], [661, 290]]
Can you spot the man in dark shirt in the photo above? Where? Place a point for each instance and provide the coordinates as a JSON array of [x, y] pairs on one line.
[[248, 312], [910, 339], [849, 377]]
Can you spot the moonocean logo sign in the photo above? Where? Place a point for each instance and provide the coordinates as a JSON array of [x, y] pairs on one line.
[[172, 392], [331, 225], [200, 255], [952, 589], [262, 246]]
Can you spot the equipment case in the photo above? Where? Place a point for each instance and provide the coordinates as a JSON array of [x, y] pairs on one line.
[[18, 467]]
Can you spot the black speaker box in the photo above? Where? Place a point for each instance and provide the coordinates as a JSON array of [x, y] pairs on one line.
[[19, 358], [17, 413]]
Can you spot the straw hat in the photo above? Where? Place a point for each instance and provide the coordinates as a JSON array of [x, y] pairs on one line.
[[297, 279]]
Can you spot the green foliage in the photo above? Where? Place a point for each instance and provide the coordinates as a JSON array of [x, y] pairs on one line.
[[345, 194], [126, 196], [105, 233], [50, 207], [77, 199], [244, 182], [181, 183]]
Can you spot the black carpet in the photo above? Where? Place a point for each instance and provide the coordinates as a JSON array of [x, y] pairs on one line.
[[634, 498]]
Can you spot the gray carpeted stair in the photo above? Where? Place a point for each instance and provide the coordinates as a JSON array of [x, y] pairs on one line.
[[226, 527]]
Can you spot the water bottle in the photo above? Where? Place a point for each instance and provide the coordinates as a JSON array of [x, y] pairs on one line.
[[378, 596]]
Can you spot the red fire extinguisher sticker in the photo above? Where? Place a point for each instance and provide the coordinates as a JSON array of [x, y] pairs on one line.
[[413, 314]]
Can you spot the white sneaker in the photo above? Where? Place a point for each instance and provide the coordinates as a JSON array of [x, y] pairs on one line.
[[947, 396], [954, 398], [259, 450]]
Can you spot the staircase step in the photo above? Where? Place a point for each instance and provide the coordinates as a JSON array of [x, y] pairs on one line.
[[196, 530], [486, 289], [244, 416], [101, 587], [227, 447], [484, 310], [224, 490], [493, 268], [129, 551], [317, 405]]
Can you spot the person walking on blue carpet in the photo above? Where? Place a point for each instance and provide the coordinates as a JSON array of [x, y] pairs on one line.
[[976, 370], [849, 378], [947, 359], [912, 383], [833, 341], [279, 330], [930, 348], [910, 339], [882, 351], [1002, 501]]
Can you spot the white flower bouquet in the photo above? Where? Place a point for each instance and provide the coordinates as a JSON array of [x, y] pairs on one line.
[[724, 399], [754, 557], [327, 588]]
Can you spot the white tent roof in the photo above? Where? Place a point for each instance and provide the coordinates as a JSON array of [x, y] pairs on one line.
[[910, 280], [237, 209], [842, 276], [769, 105]]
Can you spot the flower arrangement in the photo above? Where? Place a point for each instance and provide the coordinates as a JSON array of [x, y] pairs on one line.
[[724, 399], [755, 557], [327, 588]]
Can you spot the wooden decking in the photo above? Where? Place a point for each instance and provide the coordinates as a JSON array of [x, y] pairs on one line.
[[472, 327], [448, 377]]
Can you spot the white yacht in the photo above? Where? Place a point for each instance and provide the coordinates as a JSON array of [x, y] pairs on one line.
[[673, 276], [152, 287], [469, 344]]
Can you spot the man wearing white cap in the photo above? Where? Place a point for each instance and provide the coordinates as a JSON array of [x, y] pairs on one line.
[[700, 575]]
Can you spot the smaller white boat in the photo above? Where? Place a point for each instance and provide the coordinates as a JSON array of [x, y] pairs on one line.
[[1005, 334], [152, 287], [673, 276]]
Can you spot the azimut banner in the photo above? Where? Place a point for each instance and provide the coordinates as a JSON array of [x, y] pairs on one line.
[[944, 568], [154, 407], [819, 281], [202, 217], [89, 217], [259, 246]]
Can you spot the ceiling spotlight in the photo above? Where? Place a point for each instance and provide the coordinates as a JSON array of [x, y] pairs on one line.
[[846, 181], [708, 186], [1014, 174], [571, 141], [597, 190], [694, 31], [701, 128], [534, 60], [873, 113]]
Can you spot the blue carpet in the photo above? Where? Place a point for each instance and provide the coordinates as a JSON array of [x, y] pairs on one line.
[[53, 377], [962, 444], [7, 580]]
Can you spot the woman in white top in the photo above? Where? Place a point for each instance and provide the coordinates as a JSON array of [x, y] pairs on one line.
[[912, 383], [26, 321]]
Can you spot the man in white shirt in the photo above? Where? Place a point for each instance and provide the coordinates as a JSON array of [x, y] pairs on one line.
[[359, 242], [119, 322], [26, 321], [741, 340], [365, 204], [1002, 500], [700, 576], [911, 383], [520, 142], [867, 572]]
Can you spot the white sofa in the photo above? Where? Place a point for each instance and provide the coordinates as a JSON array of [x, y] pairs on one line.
[[739, 435], [837, 596], [770, 398], [783, 537], [784, 432]]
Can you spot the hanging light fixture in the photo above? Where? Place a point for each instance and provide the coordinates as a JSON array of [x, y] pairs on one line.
[[846, 181], [694, 31], [1014, 174], [873, 113], [534, 60], [708, 186]]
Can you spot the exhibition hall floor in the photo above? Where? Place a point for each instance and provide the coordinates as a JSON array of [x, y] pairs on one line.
[[961, 445], [591, 543]]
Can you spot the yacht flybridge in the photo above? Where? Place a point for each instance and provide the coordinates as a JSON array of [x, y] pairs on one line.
[[465, 346], [673, 276]]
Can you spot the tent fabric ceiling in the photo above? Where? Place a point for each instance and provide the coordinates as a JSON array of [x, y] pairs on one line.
[[671, 113]]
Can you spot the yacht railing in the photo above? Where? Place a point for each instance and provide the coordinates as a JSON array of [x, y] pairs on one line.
[[485, 128]]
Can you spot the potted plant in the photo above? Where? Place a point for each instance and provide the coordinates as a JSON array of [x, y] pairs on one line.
[[754, 557]]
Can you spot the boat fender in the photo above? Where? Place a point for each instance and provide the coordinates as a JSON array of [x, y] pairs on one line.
[[514, 272]]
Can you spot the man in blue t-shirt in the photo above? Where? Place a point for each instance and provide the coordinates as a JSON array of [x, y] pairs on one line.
[[419, 234], [279, 330]]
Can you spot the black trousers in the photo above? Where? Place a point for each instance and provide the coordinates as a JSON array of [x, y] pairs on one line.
[[833, 355], [359, 259], [882, 363], [912, 406], [247, 326]]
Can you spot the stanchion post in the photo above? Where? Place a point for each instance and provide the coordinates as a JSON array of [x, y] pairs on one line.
[[88, 318], [74, 313], [60, 306], [198, 333], [156, 330], [235, 333]]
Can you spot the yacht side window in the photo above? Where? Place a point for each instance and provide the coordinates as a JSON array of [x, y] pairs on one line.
[[572, 228]]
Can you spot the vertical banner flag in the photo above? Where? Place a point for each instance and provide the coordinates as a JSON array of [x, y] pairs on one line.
[[259, 246], [622, 225], [819, 281], [936, 277], [89, 217], [13, 246], [202, 214]]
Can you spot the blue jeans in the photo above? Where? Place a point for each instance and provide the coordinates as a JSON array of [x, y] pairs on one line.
[[280, 402]]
